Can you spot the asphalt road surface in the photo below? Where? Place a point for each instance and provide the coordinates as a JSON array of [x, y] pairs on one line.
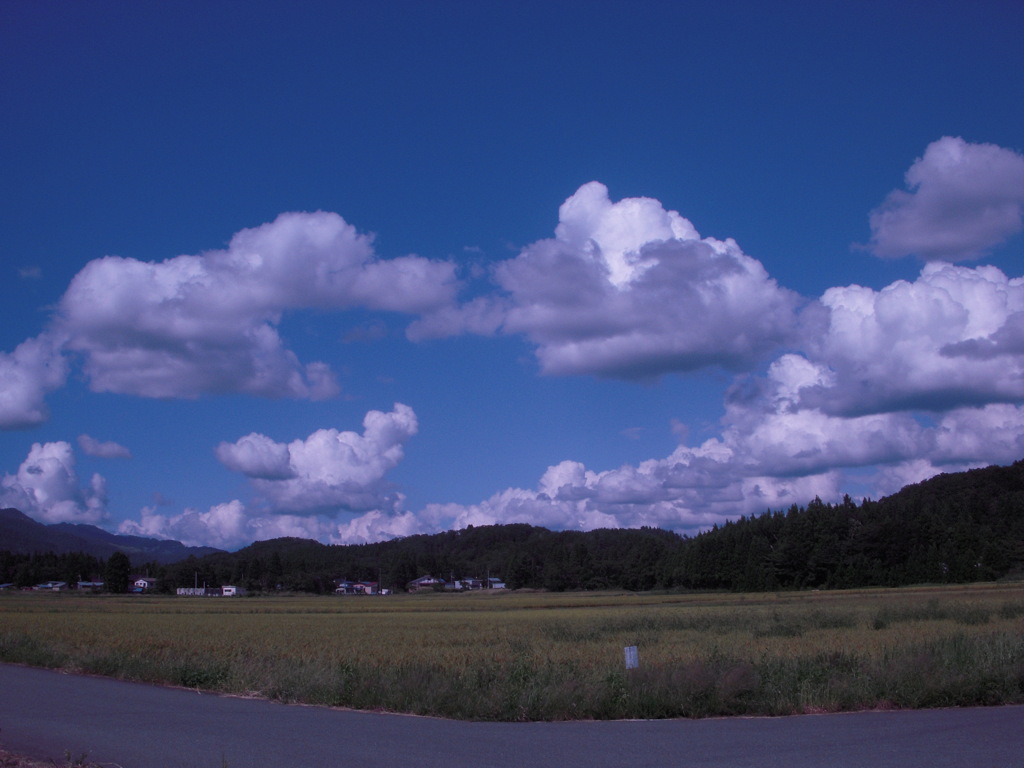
[[46, 714]]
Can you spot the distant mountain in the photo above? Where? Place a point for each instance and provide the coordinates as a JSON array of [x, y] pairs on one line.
[[21, 534]]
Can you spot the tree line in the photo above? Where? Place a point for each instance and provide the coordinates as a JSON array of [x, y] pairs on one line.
[[26, 570], [952, 528]]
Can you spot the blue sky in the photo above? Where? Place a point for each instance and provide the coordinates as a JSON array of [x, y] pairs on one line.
[[353, 270]]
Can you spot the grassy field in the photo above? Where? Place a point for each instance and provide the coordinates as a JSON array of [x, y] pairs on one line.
[[549, 656]]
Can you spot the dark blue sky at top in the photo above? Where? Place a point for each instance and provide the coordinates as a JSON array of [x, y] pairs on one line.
[[162, 128], [454, 130]]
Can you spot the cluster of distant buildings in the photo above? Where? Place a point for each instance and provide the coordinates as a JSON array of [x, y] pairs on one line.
[[423, 583], [60, 586], [454, 585], [226, 591], [141, 584], [138, 584], [347, 587]]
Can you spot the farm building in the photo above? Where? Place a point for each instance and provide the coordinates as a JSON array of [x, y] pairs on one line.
[[455, 585], [472, 584], [53, 586], [345, 587], [426, 582]]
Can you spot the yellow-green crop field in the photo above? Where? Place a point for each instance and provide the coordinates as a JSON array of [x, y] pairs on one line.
[[543, 656]]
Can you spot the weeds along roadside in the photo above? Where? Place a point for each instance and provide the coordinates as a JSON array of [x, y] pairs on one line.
[[547, 656]]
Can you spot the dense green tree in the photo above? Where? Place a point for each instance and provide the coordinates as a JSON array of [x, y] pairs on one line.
[[118, 573]]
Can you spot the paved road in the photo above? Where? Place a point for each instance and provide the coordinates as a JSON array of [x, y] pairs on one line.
[[45, 713]]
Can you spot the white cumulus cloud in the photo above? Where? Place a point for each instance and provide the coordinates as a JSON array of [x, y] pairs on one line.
[[330, 469], [257, 456], [46, 487], [223, 525], [688, 491], [105, 450], [993, 434], [27, 375], [377, 525], [951, 338], [629, 290], [231, 525], [193, 325], [963, 199], [769, 456], [304, 487]]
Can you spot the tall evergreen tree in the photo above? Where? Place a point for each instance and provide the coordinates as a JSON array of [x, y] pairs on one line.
[[118, 573]]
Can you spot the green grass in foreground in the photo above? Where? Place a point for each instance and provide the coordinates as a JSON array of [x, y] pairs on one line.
[[549, 656]]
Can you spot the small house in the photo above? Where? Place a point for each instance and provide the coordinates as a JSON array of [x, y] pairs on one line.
[[51, 586], [476, 583], [346, 587], [425, 582]]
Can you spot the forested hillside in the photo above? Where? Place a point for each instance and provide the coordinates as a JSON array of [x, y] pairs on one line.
[[952, 528], [522, 555]]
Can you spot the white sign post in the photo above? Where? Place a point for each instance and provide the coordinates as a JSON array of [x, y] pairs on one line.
[[632, 657]]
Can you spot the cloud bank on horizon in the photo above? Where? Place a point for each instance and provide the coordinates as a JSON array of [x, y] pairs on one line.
[[890, 385]]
